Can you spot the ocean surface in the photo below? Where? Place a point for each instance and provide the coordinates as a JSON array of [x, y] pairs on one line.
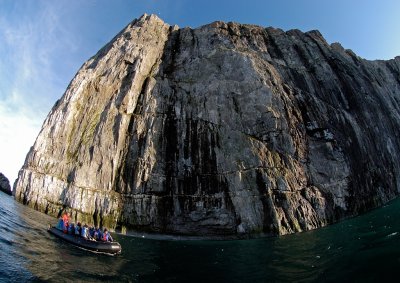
[[361, 249]]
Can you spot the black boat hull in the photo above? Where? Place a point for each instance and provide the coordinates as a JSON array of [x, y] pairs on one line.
[[96, 246]]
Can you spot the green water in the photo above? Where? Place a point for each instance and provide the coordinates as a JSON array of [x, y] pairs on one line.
[[362, 249]]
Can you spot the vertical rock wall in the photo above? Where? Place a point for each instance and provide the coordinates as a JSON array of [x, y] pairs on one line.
[[221, 130]]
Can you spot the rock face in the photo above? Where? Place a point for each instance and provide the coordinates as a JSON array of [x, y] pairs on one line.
[[226, 129], [5, 185]]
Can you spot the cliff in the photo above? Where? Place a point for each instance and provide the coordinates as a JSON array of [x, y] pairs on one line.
[[5, 185], [225, 129]]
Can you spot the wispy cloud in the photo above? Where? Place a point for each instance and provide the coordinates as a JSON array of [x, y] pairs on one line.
[[31, 48]]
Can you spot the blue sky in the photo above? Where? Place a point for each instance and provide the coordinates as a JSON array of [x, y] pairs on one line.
[[44, 42]]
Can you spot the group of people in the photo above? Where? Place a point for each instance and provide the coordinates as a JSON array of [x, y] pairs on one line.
[[90, 233]]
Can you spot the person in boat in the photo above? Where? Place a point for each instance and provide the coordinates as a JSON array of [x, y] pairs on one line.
[[66, 223], [65, 216], [85, 232], [95, 233], [91, 232], [106, 236], [71, 229], [60, 224], [78, 229], [65, 219], [99, 234], [62, 215]]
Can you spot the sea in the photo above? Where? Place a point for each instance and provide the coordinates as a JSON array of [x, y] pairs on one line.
[[361, 249]]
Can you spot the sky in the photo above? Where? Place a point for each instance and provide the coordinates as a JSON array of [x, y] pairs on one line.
[[43, 43]]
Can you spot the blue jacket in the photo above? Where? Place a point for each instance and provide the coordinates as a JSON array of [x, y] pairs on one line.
[[60, 224]]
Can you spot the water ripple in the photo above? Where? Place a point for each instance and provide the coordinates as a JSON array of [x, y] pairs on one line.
[[361, 249]]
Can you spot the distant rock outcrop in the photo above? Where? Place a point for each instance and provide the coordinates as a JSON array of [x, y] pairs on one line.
[[226, 129], [5, 185]]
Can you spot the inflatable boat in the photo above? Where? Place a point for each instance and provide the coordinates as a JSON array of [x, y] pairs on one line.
[[95, 246]]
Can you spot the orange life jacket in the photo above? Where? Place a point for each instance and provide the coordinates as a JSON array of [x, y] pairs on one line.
[[65, 217]]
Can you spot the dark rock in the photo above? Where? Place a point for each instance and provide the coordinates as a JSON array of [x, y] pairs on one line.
[[5, 185], [221, 130]]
